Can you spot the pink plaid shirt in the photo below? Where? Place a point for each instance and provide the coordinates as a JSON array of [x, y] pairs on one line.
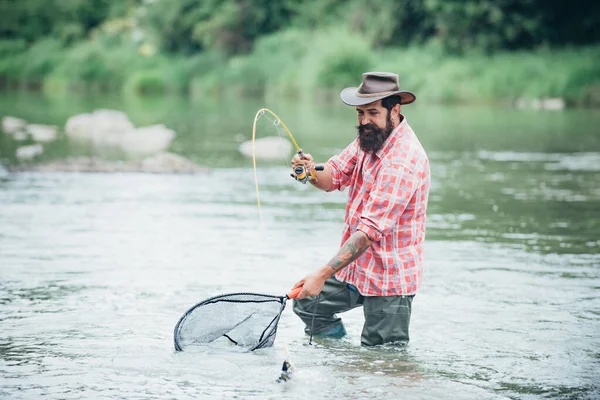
[[387, 200]]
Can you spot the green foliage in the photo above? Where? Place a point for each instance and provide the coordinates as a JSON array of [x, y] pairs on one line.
[[12, 58], [91, 62], [342, 57], [233, 26], [381, 22], [477, 77], [450, 50], [342, 69], [297, 62], [41, 59], [229, 26], [278, 56], [12, 47], [493, 25], [485, 25], [146, 82], [65, 20]]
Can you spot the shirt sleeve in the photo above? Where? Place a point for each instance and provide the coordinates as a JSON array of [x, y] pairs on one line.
[[389, 196], [342, 166]]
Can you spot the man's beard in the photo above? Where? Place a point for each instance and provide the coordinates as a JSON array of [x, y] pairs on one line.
[[371, 138]]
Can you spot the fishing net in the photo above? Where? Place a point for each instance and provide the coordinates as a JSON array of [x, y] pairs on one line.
[[244, 319]]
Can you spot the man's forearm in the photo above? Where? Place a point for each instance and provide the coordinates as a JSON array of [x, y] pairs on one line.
[[350, 251], [323, 180]]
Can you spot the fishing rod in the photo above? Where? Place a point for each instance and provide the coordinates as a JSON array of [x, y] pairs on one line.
[[299, 173]]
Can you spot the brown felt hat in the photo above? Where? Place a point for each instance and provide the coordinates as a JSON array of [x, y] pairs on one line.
[[376, 86]]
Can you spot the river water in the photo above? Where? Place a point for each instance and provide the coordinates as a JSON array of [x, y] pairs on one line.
[[96, 269]]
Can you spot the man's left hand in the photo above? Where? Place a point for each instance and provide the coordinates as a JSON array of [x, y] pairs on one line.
[[311, 285]]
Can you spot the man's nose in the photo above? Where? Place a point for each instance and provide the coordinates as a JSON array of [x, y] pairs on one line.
[[364, 120]]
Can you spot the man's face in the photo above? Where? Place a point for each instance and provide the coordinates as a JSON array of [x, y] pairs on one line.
[[374, 126]]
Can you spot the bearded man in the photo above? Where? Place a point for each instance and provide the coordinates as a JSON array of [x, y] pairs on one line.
[[379, 265]]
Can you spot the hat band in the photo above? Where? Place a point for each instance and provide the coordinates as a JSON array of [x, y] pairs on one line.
[[380, 94]]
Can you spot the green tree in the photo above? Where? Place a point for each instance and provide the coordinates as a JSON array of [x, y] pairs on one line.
[[230, 26], [66, 20], [493, 25]]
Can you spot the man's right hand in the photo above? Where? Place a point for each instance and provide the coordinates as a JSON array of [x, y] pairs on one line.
[[307, 161], [323, 176]]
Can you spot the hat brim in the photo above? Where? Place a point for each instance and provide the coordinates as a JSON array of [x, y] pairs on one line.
[[350, 98]]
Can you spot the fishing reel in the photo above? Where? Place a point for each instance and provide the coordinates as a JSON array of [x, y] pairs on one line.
[[301, 174]]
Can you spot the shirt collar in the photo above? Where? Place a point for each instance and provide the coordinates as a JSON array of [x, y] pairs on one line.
[[394, 137]]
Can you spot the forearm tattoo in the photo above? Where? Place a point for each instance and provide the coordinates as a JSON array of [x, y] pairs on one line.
[[350, 250]]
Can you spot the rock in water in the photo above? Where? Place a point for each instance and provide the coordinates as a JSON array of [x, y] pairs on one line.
[[101, 128], [268, 148], [147, 140], [42, 133], [112, 129], [12, 125], [29, 152]]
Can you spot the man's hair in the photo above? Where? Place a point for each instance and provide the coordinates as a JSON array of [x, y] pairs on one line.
[[390, 102]]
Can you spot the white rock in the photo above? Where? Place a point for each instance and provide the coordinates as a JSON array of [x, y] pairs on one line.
[[42, 133], [78, 126], [521, 103], [20, 136], [114, 116], [111, 128], [267, 148], [29, 152], [13, 125], [147, 140], [556, 103], [102, 127], [553, 103]]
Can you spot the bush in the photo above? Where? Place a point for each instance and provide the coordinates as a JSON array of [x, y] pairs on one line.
[[146, 82], [342, 69], [42, 58], [12, 58], [298, 63], [89, 62]]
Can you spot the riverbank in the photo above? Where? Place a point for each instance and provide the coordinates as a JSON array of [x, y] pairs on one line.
[[307, 65]]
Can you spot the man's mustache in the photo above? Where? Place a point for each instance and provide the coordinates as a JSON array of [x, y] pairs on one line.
[[367, 128]]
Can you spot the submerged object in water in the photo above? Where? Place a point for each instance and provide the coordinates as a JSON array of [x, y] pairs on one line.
[[286, 372]]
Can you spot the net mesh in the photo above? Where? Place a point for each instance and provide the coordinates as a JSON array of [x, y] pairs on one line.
[[244, 319]]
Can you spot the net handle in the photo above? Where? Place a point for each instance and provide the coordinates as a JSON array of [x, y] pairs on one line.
[[294, 292]]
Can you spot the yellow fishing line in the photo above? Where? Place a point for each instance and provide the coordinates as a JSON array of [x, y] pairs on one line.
[[276, 122]]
